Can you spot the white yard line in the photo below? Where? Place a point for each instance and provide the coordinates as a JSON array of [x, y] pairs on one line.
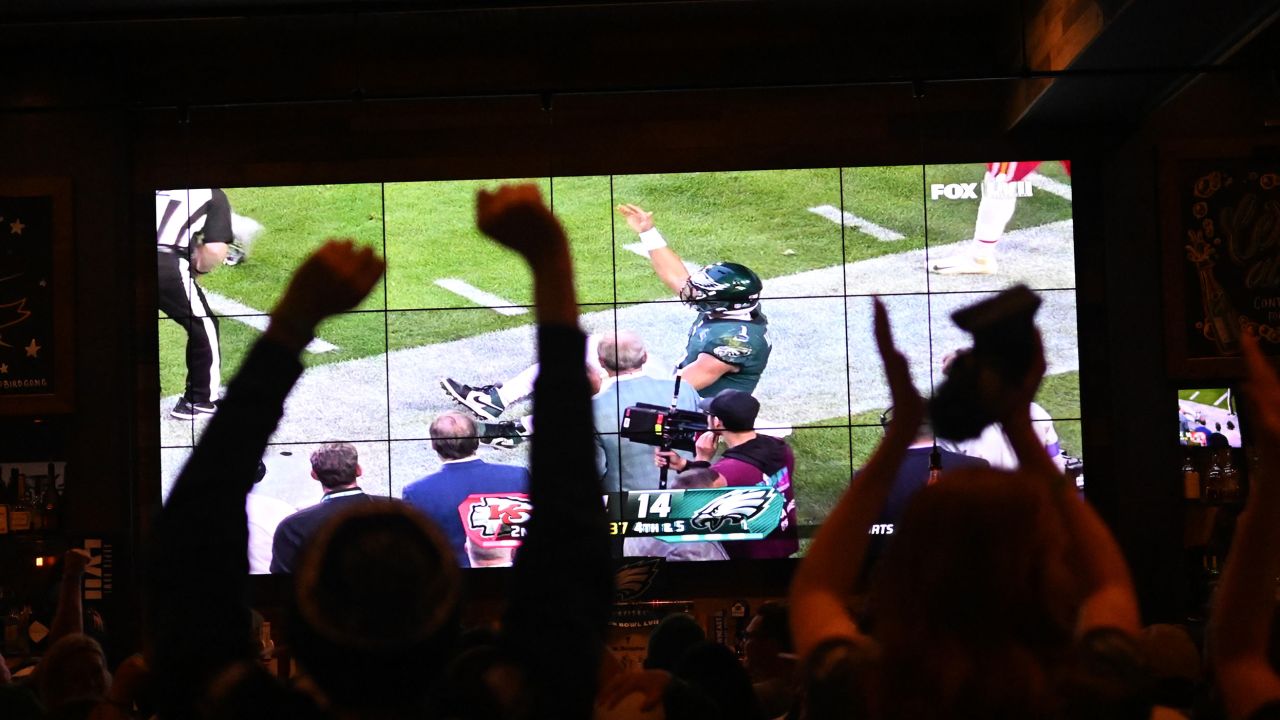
[[1225, 395], [1049, 185], [256, 319], [638, 249], [502, 306], [836, 215]]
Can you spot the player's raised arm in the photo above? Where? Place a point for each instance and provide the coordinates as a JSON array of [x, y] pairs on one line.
[[1241, 622], [826, 577], [666, 263]]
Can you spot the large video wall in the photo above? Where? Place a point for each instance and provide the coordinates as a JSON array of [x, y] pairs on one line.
[[455, 306]]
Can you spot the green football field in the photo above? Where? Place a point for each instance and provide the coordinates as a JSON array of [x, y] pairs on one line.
[[426, 232]]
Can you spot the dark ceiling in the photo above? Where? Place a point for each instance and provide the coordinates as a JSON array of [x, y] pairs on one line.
[[194, 53]]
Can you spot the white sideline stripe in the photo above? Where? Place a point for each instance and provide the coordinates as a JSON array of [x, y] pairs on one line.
[[1050, 185], [638, 249], [1224, 397], [836, 215], [255, 319], [480, 297], [1194, 395]]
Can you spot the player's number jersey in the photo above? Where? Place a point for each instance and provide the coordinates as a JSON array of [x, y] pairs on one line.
[[742, 343]]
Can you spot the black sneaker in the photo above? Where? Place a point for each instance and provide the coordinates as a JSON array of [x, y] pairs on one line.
[[505, 434], [483, 400], [187, 410]]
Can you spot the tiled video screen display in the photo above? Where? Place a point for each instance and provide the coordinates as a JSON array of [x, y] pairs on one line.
[[452, 320]]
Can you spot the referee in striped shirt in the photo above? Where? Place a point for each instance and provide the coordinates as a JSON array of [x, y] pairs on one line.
[[193, 229]]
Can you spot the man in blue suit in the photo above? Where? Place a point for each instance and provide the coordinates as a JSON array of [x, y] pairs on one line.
[[625, 465], [438, 495]]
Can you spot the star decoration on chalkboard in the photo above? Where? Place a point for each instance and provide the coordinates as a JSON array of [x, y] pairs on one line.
[[15, 227], [33, 349]]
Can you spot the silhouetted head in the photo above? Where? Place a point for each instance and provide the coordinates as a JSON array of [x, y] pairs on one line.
[[673, 636], [374, 603]]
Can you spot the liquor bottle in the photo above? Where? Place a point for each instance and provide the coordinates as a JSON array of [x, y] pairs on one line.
[[1213, 480], [1231, 490], [35, 503], [20, 512], [268, 653], [52, 509], [1221, 324], [1190, 480]]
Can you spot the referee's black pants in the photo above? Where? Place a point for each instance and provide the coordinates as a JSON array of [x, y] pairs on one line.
[[183, 301]]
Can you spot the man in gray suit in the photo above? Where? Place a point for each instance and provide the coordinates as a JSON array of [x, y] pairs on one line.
[[625, 465]]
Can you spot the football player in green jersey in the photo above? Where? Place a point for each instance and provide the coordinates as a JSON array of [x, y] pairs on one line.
[[728, 344]]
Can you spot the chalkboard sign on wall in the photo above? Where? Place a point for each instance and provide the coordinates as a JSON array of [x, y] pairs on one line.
[[1227, 258], [35, 292]]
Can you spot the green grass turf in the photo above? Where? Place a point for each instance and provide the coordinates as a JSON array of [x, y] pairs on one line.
[[758, 218], [825, 459], [1204, 396]]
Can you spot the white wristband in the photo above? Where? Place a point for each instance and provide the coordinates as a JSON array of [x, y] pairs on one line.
[[651, 239]]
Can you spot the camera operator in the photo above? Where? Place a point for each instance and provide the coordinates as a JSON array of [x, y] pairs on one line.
[[750, 459]]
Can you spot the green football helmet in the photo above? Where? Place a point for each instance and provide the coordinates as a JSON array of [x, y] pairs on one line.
[[722, 286]]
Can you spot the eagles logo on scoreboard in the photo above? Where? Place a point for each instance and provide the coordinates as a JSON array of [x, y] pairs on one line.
[[495, 521], [735, 507]]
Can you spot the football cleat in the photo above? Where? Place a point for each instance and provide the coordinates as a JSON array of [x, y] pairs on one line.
[[504, 434], [482, 400], [964, 263], [235, 254], [187, 410]]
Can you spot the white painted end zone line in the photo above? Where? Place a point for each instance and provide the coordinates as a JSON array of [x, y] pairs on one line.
[[836, 215], [255, 319], [480, 297], [638, 249], [1050, 185]]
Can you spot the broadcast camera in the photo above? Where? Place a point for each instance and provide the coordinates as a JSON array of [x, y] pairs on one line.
[[662, 426], [1004, 346]]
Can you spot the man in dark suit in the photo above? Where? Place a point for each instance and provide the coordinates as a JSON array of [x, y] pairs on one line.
[[455, 439], [337, 467]]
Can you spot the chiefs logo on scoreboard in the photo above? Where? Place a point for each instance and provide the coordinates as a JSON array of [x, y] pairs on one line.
[[495, 521]]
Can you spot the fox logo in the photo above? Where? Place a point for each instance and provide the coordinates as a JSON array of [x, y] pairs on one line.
[[500, 516], [736, 507]]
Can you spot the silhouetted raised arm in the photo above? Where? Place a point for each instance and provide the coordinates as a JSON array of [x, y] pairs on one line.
[[1241, 623]]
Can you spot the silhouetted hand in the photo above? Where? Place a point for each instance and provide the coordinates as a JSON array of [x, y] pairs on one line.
[[333, 280], [516, 217], [1263, 391], [651, 684], [637, 219], [908, 406], [74, 561]]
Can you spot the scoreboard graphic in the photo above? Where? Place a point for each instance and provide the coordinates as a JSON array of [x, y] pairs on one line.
[[702, 515]]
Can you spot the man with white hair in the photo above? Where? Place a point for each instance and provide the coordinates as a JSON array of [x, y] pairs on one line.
[[625, 465]]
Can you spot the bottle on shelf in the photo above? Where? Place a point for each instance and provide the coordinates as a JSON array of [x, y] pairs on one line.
[[20, 512], [1213, 480], [1190, 479], [1231, 489], [268, 653]]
